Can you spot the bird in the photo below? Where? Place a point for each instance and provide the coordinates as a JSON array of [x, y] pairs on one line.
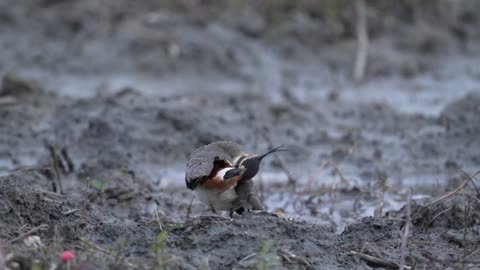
[[220, 173], [217, 189], [252, 162]]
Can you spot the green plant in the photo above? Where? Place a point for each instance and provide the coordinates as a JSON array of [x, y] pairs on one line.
[[98, 185], [36, 265], [383, 184], [176, 226], [159, 248], [266, 260]]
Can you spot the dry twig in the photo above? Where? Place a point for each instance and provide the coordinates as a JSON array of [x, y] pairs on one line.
[[261, 186], [451, 263], [333, 166], [19, 217], [470, 254], [71, 212], [291, 180], [107, 252], [451, 193], [8, 100], [289, 256], [473, 183], [52, 194], [189, 210], [311, 177], [2, 257], [68, 160], [465, 224], [56, 165], [34, 230], [406, 232], [362, 41], [377, 261], [246, 258], [338, 172], [439, 214]]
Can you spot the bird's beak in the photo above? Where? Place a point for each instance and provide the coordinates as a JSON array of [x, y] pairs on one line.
[[234, 172], [277, 149]]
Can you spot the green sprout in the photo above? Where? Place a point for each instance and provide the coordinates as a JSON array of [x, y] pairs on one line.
[[159, 248], [265, 260]]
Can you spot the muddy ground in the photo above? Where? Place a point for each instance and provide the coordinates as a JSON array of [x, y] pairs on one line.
[[106, 99]]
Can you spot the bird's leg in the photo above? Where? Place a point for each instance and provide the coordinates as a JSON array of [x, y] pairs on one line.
[[255, 201], [257, 207], [247, 193]]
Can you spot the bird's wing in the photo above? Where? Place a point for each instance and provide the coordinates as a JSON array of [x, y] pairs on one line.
[[201, 160], [232, 149]]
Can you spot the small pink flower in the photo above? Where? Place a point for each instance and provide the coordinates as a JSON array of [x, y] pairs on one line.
[[67, 256]]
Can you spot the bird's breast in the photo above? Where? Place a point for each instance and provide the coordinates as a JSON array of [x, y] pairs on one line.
[[216, 199]]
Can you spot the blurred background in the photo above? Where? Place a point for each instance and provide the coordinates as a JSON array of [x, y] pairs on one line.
[[366, 94], [165, 47]]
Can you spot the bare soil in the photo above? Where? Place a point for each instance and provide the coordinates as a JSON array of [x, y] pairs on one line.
[[106, 99]]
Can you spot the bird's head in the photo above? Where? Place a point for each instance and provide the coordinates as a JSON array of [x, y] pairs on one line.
[[252, 163]]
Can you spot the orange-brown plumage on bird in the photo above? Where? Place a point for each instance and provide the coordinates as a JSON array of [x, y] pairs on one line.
[[220, 174], [223, 176]]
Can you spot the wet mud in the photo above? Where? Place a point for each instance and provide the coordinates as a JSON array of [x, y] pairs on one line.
[[97, 123]]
